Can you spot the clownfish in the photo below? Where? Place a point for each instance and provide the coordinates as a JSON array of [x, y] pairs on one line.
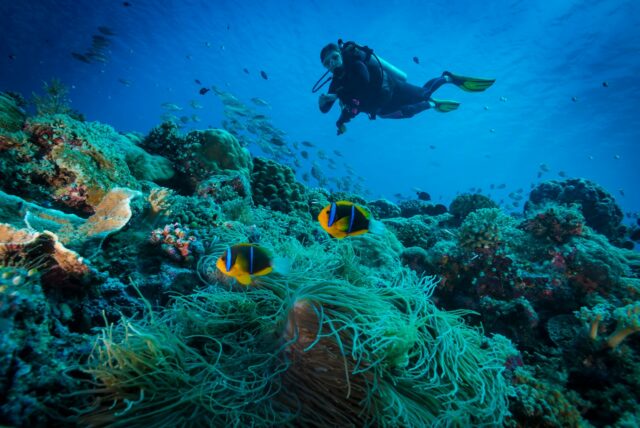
[[244, 261], [343, 218]]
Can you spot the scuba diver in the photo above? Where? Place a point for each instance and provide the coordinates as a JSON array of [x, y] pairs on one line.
[[366, 83]]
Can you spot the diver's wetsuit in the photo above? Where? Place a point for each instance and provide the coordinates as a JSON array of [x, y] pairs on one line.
[[361, 88]]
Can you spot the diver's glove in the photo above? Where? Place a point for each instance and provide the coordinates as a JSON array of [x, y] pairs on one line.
[[342, 128]]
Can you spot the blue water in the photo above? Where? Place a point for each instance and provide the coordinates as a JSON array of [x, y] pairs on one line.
[[541, 53]]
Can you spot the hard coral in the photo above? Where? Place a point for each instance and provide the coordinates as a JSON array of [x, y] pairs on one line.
[[274, 185], [484, 229], [555, 223], [76, 162], [597, 205], [199, 154], [464, 204]]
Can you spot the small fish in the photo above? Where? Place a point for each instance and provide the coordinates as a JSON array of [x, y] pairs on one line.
[[574, 99], [337, 153], [492, 130], [492, 186], [562, 174], [344, 218], [503, 99], [197, 81], [308, 144], [99, 40], [106, 31], [621, 192], [259, 102], [432, 147], [277, 141], [194, 104], [184, 119], [515, 204], [203, 91], [96, 56], [616, 156], [195, 118], [245, 261], [304, 154], [605, 84], [305, 177], [80, 57], [125, 82], [126, 4], [245, 70], [264, 75], [544, 167], [322, 155], [502, 186], [416, 60], [12, 57], [486, 107], [171, 107], [423, 196]]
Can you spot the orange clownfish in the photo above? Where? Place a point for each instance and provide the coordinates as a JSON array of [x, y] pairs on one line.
[[244, 261], [344, 218]]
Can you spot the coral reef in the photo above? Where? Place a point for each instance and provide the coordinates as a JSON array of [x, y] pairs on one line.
[[472, 317]]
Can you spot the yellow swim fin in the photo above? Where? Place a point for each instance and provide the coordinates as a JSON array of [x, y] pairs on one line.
[[469, 84], [445, 106]]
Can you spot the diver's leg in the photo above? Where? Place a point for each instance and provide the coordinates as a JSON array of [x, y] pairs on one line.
[[407, 111], [432, 85]]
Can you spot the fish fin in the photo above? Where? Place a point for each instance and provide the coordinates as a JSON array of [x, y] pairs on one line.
[[244, 279], [358, 232], [376, 227], [282, 265], [264, 271]]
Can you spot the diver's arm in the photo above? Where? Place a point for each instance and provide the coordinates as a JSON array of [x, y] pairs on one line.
[[326, 101], [345, 116]]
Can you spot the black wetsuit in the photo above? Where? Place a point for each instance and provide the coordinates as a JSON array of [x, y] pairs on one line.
[[362, 87]]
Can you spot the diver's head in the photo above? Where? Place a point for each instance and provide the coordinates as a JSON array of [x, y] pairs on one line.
[[331, 57]]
